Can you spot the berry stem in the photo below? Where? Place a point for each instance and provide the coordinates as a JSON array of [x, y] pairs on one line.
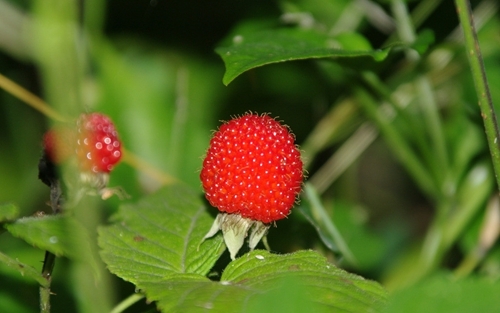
[[136, 162], [32, 100]]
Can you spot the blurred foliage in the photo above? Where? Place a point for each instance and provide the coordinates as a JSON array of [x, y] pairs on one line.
[[392, 137]]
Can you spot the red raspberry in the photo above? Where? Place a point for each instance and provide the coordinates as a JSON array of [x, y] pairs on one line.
[[253, 168], [253, 172], [98, 147], [93, 145]]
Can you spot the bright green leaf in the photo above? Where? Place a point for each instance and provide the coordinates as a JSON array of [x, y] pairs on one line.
[[266, 47], [263, 282], [368, 247], [160, 236], [8, 212], [353, 41], [59, 234]]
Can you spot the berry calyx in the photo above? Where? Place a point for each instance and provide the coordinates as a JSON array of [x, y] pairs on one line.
[[98, 147], [252, 173]]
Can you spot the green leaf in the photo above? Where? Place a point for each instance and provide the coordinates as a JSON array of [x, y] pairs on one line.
[[441, 295], [271, 46], [263, 282], [155, 244], [313, 209], [62, 235], [368, 246], [353, 41], [159, 236], [8, 212], [424, 40]]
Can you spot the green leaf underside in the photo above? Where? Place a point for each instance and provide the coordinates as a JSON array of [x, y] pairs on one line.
[[257, 49], [160, 236], [260, 279], [8, 212], [59, 234]]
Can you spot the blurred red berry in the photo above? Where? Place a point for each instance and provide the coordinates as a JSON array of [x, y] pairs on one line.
[[98, 147]]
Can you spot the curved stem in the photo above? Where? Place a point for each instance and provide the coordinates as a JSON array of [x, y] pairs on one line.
[[128, 302], [23, 269]]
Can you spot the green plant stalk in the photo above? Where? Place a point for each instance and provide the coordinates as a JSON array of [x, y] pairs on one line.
[[386, 93], [329, 127], [481, 83], [320, 214], [419, 14], [467, 265], [400, 147], [423, 88], [344, 157], [94, 12], [488, 236], [423, 10], [45, 299], [48, 266], [57, 41], [59, 51], [446, 228], [404, 23], [434, 245]]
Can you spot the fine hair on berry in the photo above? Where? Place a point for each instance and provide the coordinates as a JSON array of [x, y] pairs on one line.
[[253, 168]]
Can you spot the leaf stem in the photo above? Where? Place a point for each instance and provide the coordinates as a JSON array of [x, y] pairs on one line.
[[423, 88], [480, 82], [23, 269], [127, 302], [395, 140]]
